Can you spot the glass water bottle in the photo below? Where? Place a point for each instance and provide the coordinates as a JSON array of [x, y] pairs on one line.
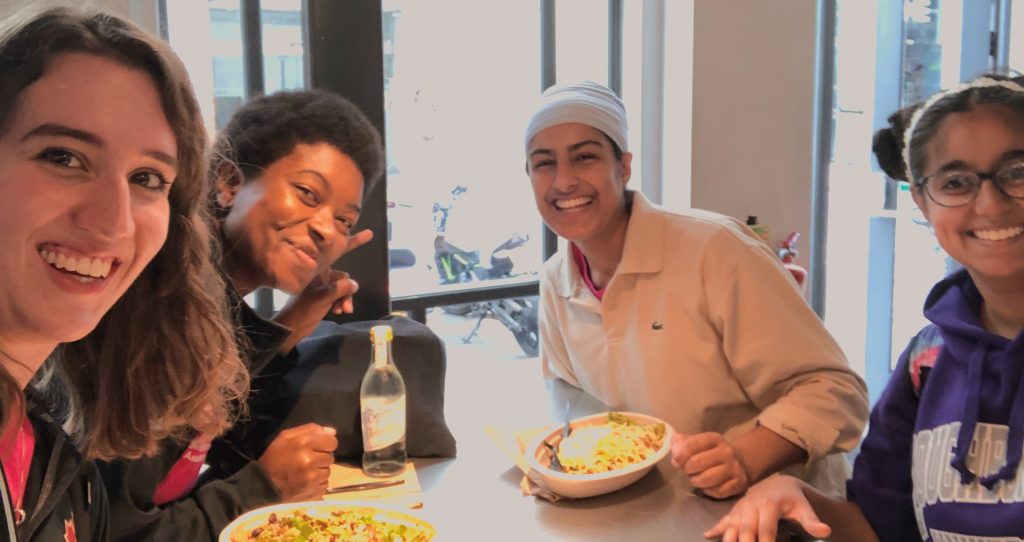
[[382, 408]]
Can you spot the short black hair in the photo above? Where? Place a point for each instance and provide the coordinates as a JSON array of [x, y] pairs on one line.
[[268, 128]]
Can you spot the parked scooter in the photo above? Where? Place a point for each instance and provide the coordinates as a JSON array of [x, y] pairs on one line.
[[455, 265]]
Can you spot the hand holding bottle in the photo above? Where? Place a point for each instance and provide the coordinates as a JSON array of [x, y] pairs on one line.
[[299, 460]]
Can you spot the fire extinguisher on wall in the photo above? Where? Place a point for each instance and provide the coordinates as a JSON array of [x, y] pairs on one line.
[[788, 254]]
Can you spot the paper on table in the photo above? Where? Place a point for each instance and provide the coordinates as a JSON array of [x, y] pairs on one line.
[[513, 445], [405, 495]]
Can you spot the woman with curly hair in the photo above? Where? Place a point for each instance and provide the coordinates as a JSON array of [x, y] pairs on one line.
[[289, 174], [106, 267]]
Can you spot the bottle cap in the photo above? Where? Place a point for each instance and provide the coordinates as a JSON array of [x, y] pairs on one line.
[[380, 334]]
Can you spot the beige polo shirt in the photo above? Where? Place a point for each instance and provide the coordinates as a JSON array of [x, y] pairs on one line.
[[703, 327]]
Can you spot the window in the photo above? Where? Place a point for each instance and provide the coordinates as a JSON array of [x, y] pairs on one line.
[[460, 208], [879, 246]]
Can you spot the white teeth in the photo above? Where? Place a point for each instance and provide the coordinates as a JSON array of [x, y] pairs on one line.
[[572, 203], [87, 269], [998, 235]]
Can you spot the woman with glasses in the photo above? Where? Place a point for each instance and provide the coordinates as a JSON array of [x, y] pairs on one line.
[[942, 458]]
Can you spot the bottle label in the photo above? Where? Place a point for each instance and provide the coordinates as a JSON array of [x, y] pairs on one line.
[[383, 421]]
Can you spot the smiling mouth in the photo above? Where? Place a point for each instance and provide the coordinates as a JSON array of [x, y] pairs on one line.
[[572, 204], [83, 268], [997, 235], [303, 251]]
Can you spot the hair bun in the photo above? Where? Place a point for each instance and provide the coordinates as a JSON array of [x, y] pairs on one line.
[[888, 150]]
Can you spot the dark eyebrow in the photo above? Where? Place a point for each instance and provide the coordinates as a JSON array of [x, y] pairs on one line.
[[1012, 154], [52, 129], [954, 165], [572, 148], [60, 130], [577, 146], [327, 186]]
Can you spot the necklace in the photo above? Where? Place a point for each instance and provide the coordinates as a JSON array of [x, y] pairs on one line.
[[18, 446], [29, 372]]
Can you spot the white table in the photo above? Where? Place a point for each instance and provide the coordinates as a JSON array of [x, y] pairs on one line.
[[476, 496]]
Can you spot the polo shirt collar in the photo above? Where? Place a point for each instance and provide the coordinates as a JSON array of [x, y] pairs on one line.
[[642, 252]]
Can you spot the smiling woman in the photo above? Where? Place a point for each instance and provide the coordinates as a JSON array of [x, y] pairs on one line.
[[288, 176], [942, 455], [105, 269]]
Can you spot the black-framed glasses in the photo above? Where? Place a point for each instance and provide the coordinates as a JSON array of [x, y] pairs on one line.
[[956, 188]]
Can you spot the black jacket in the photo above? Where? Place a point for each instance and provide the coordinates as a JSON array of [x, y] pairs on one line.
[[234, 483], [63, 490]]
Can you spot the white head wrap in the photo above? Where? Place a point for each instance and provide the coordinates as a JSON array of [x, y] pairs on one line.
[[908, 134], [586, 103]]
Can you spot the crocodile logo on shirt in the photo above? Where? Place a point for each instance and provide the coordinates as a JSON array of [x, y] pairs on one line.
[[657, 326]]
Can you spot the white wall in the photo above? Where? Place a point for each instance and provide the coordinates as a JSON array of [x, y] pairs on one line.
[[753, 92]]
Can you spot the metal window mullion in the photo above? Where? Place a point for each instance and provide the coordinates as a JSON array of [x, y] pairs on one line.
[[161, 20], [252, 47], [615, 46], [549, 243], [1001, 57], [822, 155], [652, 99]]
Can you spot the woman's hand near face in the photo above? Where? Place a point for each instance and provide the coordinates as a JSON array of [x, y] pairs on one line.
[[331, 291], [299, 461], [756, 516]]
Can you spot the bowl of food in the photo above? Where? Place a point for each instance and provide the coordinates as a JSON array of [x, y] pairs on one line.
[[320, 521], [604, 452]]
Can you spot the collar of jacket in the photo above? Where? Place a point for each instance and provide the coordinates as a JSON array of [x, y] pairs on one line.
[[643, 251], [262, 337], [61, 462]]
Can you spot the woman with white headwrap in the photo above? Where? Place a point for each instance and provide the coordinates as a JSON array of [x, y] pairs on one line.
[[942, 458], [685, 316]]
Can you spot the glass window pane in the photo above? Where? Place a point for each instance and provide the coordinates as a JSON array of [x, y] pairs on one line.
[[457, 96], [283, 66], [922, 50], [931, 56], [581, 41], [226, 55]]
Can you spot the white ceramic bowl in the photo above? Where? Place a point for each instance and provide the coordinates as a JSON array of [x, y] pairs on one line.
[[589, 485], [238, 529]]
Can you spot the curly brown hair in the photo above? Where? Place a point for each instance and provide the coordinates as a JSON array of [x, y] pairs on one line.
[[163, 360]]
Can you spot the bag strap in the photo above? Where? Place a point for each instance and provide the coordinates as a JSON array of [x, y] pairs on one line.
[[922, 353], [8, 505]]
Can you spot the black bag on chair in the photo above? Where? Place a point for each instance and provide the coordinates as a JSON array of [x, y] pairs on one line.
[[323, 387]]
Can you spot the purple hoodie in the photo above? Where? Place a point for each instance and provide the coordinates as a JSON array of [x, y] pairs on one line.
[[917, 478]]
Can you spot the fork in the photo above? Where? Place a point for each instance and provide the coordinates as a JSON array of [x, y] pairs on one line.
[[556, 464], [567, 428]]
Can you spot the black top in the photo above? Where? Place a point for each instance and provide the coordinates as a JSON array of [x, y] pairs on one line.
[[63, 493], [234, 482]]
